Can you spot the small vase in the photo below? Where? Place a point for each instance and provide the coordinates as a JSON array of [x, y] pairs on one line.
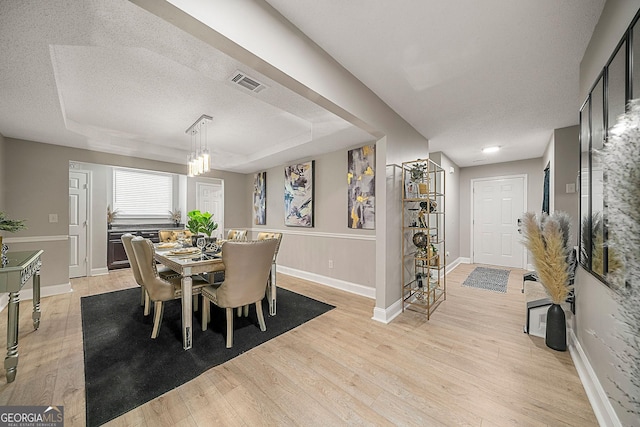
[[556, 333]]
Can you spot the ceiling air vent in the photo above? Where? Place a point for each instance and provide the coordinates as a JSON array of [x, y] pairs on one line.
[[249, 83]]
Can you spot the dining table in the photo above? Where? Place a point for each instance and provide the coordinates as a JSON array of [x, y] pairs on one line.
[[187, 262]]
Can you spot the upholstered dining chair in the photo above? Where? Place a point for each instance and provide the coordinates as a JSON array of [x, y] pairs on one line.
[[159, 290], [163, 272], [235, 234], [271, 283], [247, 265]]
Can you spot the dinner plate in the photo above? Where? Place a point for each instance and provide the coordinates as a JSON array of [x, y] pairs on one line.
[[184, 251], [168, 245]]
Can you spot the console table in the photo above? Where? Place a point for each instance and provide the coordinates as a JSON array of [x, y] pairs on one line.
[[13, 276]]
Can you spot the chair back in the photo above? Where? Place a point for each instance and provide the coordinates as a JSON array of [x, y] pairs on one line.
[[158, 289], [247, 267], [133, 262], [263, 235], [172, 235], [237, 234]]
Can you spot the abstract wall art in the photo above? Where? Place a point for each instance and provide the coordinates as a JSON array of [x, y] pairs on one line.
[[298, 195], [361, 187], [260, 198]]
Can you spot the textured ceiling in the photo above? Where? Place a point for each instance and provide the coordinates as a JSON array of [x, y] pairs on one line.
[[466, 73], [108, 76]]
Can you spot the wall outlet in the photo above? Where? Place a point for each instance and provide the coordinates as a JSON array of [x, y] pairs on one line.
[[53, 218], [330, 263], [447, 254]]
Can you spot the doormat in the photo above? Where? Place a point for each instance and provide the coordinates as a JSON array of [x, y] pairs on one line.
[[491, 279]]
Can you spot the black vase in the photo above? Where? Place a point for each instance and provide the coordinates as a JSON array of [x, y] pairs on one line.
[[556, 334]]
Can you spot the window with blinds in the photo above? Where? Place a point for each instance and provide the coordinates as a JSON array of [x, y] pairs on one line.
[[139, 193]]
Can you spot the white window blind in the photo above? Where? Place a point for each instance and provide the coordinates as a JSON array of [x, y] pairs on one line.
[[142, 194]]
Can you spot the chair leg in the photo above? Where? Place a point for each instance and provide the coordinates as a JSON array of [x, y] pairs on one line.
[[147, 303], [142, 295], [263, 327], [195, 302], [205, 312], [157, 318], [230, 327], [239, 311], [246, 310]]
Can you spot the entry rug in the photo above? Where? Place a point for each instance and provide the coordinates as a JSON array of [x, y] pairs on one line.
[[125, 368], [491, 279]]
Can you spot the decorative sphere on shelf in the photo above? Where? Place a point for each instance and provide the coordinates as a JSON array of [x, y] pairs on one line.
[[420, 240]]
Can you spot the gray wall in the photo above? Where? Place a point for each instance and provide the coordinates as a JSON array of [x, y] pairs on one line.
[[351, 251], [267, 43], [452, 205], [565, 169], [533, 169], [595, 327], [2, 172], [36, 184]]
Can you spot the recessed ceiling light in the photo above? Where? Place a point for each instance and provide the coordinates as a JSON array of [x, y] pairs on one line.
[[491, 149]]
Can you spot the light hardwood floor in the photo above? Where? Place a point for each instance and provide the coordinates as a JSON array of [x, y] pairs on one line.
[[471, 364]]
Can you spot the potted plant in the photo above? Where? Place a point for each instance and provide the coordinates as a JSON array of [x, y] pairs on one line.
[[176, 217], [111, 215], [201, 223], [548, 241], [10, 225]]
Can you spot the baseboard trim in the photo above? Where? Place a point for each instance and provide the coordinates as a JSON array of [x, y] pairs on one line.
[[453, 265], [386, 315], [45, 291], [602, 408], [464, 260], [354, 288], [99, 271]]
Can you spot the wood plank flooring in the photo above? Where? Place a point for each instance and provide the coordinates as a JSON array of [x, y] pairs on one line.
[[471, 364]]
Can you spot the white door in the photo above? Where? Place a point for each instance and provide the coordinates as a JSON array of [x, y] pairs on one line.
[[77, 224], [497, 206], [210, 198]]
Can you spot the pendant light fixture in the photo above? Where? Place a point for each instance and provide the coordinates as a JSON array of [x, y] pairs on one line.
[[199, 160]]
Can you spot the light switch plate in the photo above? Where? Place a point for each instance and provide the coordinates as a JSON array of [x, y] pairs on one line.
[[53, 218], [571, 188]]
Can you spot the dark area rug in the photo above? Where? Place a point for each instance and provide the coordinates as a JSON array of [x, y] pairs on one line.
[[491, 279], [125, 368]]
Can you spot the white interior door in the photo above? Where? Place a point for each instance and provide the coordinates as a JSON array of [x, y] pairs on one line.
[[497, 205], [210, 198], [77, 224]]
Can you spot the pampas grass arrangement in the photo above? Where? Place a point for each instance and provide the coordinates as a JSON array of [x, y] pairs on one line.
[[547, 240], [622, 154]]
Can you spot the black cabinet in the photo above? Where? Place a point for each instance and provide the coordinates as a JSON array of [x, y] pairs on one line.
[[116, 255]]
